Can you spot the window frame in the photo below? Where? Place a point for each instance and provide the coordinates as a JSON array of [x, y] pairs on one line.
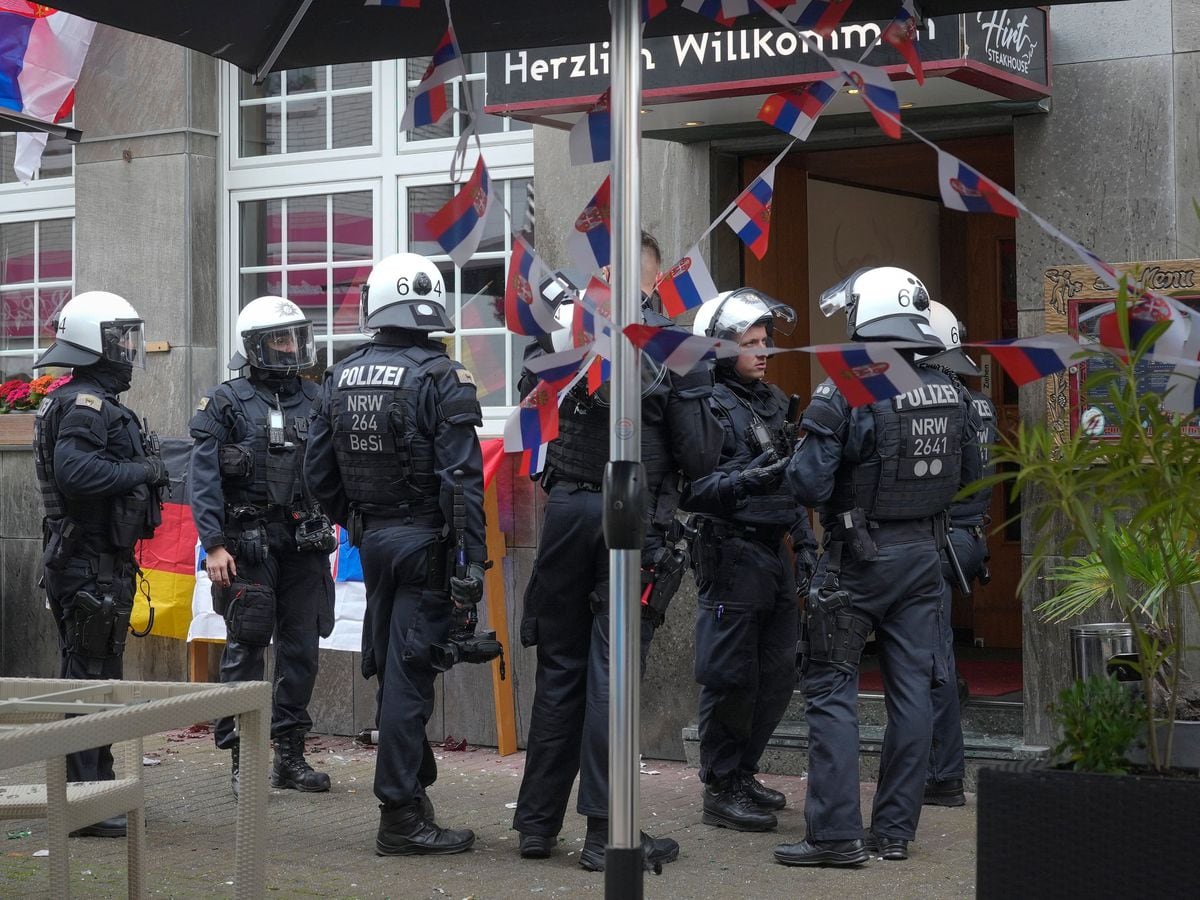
[[36, 217]]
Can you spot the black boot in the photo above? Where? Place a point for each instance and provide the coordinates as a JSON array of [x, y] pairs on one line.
[[887, 847], [656, 852], [290, 769], [727, 805], [822, 853], [114, 827], [762, 795], [944, 793], [235, 777], [403, 831]]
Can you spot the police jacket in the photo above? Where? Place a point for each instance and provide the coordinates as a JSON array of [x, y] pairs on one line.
[[394, 420], [740, 407], [89, 454], [970, 511], [237, 462], [901, 459]]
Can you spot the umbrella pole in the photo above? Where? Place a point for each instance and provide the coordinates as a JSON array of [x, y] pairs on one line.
[[624, 485]]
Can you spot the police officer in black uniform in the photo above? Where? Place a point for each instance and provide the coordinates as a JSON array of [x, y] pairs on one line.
[[882, 477], [566, 603], [100, 479], [267, 543], [968, 519], [392, 435], [748, 618]]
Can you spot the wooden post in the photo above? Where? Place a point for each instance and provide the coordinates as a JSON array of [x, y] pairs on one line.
[[502, 692], [197, 650]]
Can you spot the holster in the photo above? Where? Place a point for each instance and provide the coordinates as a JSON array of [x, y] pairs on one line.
[[249, 611], [354, 527], [60, 538], [663, 576], [97, 627], [832, 632]]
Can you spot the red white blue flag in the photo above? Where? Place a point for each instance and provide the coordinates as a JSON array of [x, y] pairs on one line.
[[751, 215], [902, 34], [966, 190], [533, 460], [558, 368], [866, 373], [1028, 359], [41, 55], [874, 89], [817, 16], [458, 226], [1142, 316], [590, 242], [652, 8], [430, 103], [1183, 384], [722, 12], [796, 112], [525, 311], [674, 348], [535, 420], [403, 4], [590, 140], [686, 284], [593, 313]]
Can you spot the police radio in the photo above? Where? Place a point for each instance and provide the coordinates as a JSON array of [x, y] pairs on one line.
[[276, 437]]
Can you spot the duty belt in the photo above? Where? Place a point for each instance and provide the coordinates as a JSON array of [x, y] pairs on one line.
[[770, 535], [973, 528], [905, 528], [425, 519], [267, 514], [578, 485]]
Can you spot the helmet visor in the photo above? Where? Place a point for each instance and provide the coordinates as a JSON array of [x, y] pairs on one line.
[[746, 308], [124, 341], [288, 348]]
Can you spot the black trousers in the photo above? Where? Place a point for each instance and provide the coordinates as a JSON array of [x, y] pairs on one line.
[[747, 624], [567, 598], [301, 582], [63, 582], [898, 594], [404, 618]]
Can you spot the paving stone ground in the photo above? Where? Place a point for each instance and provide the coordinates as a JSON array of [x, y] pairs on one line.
[[322, 845]]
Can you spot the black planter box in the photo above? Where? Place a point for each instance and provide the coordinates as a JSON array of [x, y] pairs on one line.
[[1046, 832]]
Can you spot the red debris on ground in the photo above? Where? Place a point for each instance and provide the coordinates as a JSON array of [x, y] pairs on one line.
[[453, 745]]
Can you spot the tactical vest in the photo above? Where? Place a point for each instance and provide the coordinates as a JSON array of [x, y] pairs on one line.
[[779, 506], [972, 510], [916, 466], [273, 476], [384, 449]]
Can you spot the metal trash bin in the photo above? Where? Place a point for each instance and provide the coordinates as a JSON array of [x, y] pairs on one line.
[[1094, 646]]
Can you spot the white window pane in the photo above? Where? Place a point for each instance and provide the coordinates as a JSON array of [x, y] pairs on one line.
[[347, 291], [484, 355], [351, 75], [16, 310], [261, 221], [306, 80], [352, 226], [54, 250], [352, 121], [261, 133], [248, 90], [307, 234], [16, 252], [306, 125]]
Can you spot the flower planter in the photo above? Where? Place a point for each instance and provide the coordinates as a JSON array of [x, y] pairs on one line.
[[1046, 832], [16, 429]]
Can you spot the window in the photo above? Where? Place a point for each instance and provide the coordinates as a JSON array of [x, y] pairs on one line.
[[475, 86], [304, 110], [36, 272], [58, 159]]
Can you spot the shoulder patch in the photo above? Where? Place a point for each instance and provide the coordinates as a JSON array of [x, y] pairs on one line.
[[89, 400], [824, 390], [465, 376], [202, 405]]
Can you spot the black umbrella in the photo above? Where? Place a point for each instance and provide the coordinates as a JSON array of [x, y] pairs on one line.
[[11, 120]]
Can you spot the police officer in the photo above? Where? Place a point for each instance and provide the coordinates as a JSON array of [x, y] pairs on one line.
[[267, 545], [100, 481], [968, 518], [566, 603], [882, 477], [748, 618], [392, 434]]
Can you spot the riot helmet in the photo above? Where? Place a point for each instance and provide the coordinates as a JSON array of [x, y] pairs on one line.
[[404, 290], [951, 333], [730, 314], [883, 303], [95, 326], [275, 336]]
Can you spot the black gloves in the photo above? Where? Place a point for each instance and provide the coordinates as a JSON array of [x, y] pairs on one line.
[[763, 476], [468, 591], [156, 472]]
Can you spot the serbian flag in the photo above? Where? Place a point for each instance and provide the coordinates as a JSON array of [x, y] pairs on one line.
[[458, 226], [525, 312], [430, 103], [590, 140], [686, 284], [874, 89], [534, 422], [723, 12], [590, 242], [1143, 315], [1028, 359], [902, 34], [866, 373], [1182, 395], [751, 215], [533, 460], [966, 190], [796, 112], [593, 314], [41, 54], [558, 368], [817, 16], [672, 347]]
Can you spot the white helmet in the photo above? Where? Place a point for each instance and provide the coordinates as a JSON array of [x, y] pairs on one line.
[[883, 303], [274, 335], [96, 325], [730, 314], [404, 290], [563, 338], [951, 332]]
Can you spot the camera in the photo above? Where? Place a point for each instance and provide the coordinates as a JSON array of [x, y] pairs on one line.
[[464, 645], [315, 535]]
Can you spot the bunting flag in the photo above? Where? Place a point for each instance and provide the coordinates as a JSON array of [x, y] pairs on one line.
[[796, 112], [590, 138], [865, 373], [593, 314], [874, 89], [1028, 359], [902, 34], [525, 311], [599, 371], [430, 103], [723, 12], [533, 460], [1182, 394], [750, 218], [674, 348], [1142, 316], [403, 4], [458, 226], [558, 368], [965, 190], [534, 422], [686, 284], [817, 16], [652, 8], [590, 242]]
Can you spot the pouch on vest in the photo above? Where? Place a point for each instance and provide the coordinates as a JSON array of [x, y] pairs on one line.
[[249, 612], [131, 518], [236, 461]]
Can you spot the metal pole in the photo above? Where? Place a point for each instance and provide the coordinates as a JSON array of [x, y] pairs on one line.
[[624, 484]]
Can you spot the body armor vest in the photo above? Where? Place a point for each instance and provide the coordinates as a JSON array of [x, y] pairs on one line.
[[274, 451], [915, 468], [972, 510], [384, 448], [778, 507]]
